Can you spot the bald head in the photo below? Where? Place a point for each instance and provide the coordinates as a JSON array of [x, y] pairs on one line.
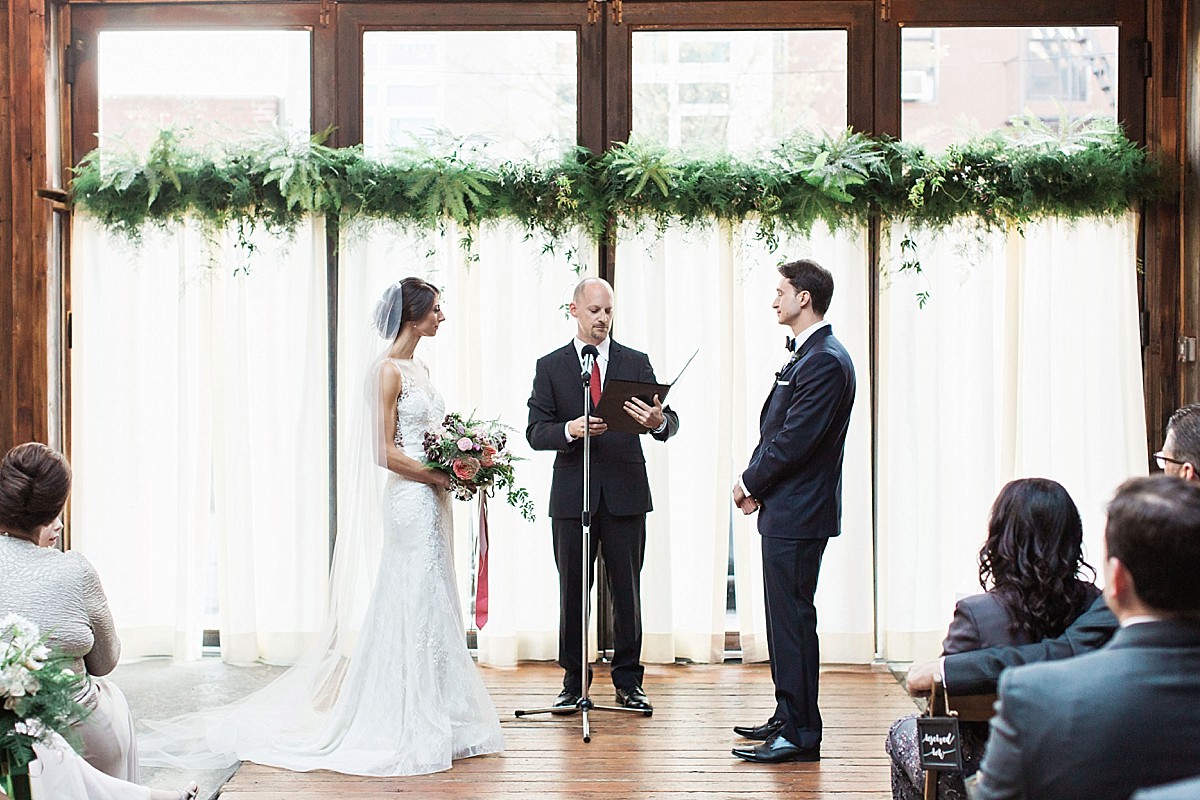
[[587, 283], [592, 308]]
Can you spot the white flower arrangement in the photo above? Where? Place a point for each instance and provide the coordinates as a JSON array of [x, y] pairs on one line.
[[37, 693], [24, 656]]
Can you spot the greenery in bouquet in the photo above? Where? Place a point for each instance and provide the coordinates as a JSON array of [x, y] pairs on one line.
[[37, 692], [476, 456]]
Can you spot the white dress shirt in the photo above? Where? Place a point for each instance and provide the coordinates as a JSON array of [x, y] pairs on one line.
[[602, 362]]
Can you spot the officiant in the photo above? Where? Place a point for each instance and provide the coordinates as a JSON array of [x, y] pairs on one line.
[[620, 490]]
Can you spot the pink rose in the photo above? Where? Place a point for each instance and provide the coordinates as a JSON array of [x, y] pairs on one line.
[[466, 445], [466, 468], [488, 458]]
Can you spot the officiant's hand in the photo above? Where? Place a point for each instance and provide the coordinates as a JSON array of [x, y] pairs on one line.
[[597, 426], [649, 417]]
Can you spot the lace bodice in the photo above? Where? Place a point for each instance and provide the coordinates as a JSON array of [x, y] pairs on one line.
[[62, 595], [419, 409]]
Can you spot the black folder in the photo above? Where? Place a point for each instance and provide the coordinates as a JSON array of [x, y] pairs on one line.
[[611, 407]]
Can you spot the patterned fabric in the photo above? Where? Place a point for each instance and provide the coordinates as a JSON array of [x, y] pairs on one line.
[[61, 594], [908, 779]]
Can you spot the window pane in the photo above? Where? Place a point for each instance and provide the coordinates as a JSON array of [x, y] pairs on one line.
[[504, 305], [219, 85], [182, 304], [712, 289], [516, 88], [957, 80], [712, 88]]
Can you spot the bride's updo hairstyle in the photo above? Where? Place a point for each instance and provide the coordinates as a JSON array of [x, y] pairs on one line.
[[34, 484], [404, 301]]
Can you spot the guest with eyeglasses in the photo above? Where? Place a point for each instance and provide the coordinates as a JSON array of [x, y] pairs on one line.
[[1181, 448]]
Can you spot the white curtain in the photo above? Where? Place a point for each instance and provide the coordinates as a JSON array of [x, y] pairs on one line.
[[505, 307], [1025, 361], [199, 437], [199, 429], [712, 289]]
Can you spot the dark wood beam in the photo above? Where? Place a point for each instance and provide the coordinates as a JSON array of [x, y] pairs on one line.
[[23, 292]]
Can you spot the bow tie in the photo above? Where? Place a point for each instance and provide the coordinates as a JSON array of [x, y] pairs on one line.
[[789, 343]]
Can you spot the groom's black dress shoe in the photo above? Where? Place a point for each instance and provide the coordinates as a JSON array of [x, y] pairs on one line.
[[634, 697], [567, 700], [776, 750], [759, 732]]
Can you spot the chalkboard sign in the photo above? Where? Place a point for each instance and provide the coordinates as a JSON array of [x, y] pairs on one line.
[[939, 743]]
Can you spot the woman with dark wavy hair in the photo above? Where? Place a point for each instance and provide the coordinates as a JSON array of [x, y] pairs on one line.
[[1032, 559], [1029, 569]]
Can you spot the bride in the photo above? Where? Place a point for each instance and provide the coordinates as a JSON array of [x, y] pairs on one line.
[[392, 689]]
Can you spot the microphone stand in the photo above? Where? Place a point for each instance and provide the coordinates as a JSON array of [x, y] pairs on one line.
[[585, 703]]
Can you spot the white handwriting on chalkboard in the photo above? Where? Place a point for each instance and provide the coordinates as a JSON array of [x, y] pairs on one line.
[[937, 745], [946, 738]]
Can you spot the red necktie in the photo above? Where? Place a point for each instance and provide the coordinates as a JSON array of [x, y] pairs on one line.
[[595, 383]]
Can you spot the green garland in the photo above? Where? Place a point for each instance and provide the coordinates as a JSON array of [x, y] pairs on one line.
[[1085, 168]]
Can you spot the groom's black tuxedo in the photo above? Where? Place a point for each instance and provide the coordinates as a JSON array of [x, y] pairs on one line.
[[795, 473], [620, 498]]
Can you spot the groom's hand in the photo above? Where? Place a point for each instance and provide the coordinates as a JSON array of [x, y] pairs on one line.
[[596, 425], [748, 505], [649, 417]]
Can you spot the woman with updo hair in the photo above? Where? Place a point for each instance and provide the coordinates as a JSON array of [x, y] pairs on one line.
[[1030, 569], [61, 593]]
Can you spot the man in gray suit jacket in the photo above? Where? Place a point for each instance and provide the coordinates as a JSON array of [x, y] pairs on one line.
[[1104, 724]]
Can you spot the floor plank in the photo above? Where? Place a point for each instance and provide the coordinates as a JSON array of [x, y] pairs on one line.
[[679, 753]]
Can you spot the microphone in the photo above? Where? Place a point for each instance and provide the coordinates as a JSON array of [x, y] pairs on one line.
[[590, 354]]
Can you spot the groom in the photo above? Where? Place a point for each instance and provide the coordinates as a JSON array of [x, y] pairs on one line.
[[620, 492], [795, 481]]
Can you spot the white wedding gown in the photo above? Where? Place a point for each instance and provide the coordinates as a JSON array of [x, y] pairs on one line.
[[403, 696]]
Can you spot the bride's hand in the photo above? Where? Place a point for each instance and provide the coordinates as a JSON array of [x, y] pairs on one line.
[[438, 478]]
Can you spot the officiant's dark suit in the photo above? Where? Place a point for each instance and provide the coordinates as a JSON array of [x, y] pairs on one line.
[[620, 491], [795, 479]]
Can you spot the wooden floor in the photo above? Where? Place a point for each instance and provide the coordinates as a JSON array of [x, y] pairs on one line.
[[682, 751]]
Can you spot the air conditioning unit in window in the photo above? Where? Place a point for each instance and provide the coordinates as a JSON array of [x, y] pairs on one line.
[[916, 86]]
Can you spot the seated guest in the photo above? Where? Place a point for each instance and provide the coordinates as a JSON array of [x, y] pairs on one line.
[[61, 593], [1032, 559], [1104, 724], [977, 671]]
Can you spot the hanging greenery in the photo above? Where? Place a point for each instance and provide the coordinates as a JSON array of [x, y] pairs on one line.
[[1080, 169]]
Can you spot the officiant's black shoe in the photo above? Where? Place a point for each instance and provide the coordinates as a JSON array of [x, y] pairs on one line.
[[633, 697], [777, 750], [759, 732], [567, 701]]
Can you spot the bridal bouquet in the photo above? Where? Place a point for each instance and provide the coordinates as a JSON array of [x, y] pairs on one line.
[[476, 456], [37, 696]]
